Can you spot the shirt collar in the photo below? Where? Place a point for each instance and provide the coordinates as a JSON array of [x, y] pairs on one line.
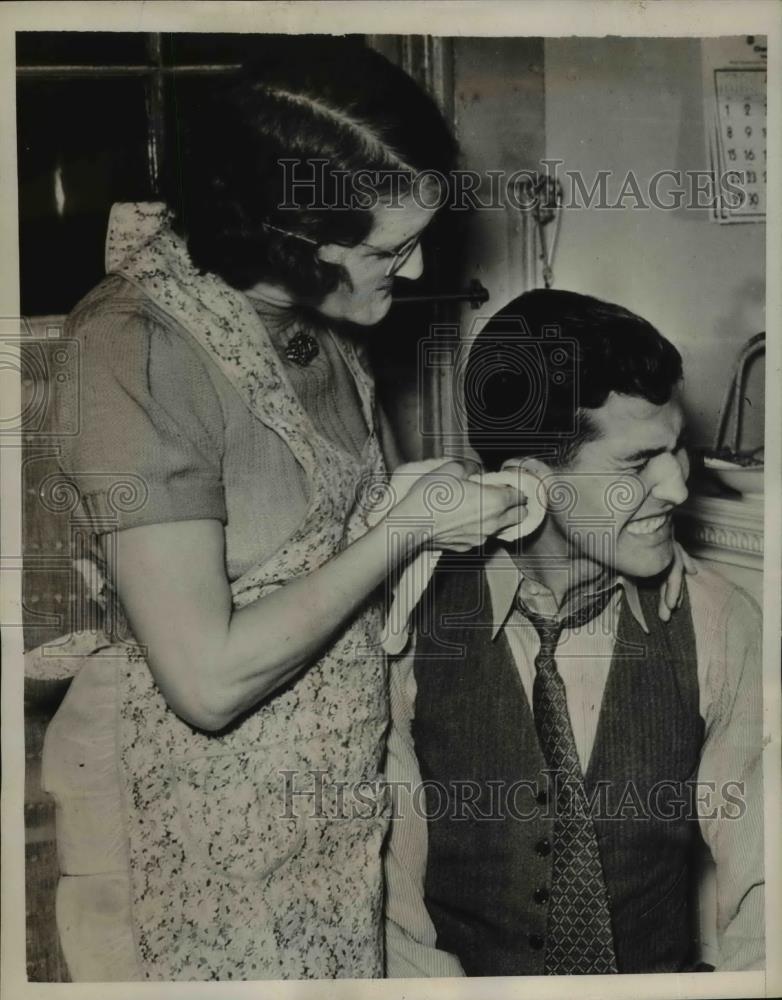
[[505, 577]]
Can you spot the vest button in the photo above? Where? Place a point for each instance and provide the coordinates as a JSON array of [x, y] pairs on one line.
[[543, 847], [541, 895], [536, 941]]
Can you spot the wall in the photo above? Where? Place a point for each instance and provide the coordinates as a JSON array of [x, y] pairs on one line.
[[625, 104], [499, 122], [500, 125]]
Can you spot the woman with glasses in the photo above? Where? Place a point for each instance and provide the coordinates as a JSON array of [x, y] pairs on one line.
[[216, 760], [208, 757]]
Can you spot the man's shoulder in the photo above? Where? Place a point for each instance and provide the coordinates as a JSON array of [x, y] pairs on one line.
[[453, 566], [458, 583], [722, 601]]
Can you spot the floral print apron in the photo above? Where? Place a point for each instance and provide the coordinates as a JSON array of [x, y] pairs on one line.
[[249, 856]]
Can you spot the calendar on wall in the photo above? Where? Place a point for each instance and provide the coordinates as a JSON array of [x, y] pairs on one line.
[[735, 93]]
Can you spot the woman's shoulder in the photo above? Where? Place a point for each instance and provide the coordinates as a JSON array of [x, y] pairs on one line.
[[121, 329], [112, 297], [116, 306], [129, 347]]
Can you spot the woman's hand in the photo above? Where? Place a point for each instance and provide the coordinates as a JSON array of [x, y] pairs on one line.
[[213, 662], [452, 513], [672, 590]]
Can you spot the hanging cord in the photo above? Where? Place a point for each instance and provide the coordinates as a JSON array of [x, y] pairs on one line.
[[548, 208]]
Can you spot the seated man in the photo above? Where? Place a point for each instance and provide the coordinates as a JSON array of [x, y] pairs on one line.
[[557, 750]]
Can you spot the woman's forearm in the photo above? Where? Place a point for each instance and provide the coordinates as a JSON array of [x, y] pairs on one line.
[[213, 662], [298, 621]]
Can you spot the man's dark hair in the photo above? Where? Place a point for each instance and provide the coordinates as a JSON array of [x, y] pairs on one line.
[[311, 98], [545, 360]]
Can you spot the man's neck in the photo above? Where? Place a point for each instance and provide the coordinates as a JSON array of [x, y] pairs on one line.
[[564, 574]]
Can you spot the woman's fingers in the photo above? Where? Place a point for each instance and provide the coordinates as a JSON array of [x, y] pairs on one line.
[[479, 510], [513, 515], [690, 566], [500, 507], [669, 589], [672, 590], [471, 467], [505, 497], [674, 584]]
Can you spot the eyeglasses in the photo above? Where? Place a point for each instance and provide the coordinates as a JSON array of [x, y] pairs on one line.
[[398, 257]]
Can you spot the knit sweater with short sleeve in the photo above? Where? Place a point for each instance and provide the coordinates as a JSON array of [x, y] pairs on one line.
[[153, 405]]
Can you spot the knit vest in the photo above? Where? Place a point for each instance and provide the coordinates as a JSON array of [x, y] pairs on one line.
[[490, 829]]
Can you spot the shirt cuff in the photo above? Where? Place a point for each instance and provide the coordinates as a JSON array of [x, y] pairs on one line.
[[407, 958], [131, 503]]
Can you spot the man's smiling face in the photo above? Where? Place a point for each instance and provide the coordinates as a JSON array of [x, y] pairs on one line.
[[625, 484]]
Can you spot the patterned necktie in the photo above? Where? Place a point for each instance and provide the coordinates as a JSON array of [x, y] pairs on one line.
[[579, 938]]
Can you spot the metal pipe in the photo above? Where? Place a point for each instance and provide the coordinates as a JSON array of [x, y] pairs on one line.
[[476, 295], [733, 399]]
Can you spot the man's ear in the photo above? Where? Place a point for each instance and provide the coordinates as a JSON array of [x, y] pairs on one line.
[[332, 253]]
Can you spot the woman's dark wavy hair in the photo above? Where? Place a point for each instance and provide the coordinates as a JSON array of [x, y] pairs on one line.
[[549, 357], [312, 98]]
